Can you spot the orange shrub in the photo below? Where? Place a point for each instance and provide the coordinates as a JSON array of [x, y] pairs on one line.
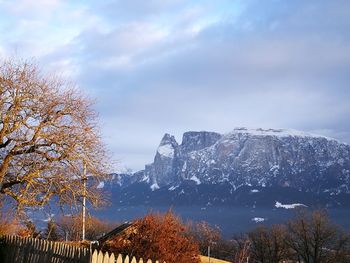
[[160, 237]]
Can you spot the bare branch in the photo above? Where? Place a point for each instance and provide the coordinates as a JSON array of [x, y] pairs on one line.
[[47, 129]]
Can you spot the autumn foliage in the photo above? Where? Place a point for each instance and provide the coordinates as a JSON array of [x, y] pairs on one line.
[[47, 130], [9, 226], [157, 236]]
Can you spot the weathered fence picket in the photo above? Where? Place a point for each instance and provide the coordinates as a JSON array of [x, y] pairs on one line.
[[30, 250]]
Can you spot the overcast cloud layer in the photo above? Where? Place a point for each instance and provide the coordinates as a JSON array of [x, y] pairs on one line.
[[172, 66]]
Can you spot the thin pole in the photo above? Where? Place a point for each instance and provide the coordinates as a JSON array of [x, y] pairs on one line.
[[84, 179], [209, 253]]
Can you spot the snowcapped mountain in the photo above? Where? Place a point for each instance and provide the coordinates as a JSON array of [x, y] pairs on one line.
[[253, 161]]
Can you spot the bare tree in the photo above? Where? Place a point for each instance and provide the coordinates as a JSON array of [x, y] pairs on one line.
[[69, 227], [268, 244], [47, 130], [206, 236], [315, 239], [51, 232], [241, 248]]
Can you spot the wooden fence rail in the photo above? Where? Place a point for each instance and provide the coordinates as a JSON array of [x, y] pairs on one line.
[[14, 249]]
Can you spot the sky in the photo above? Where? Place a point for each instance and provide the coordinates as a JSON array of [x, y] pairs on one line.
[[171, 66]]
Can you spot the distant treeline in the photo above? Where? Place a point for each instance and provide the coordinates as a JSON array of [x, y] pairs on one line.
[[310, 237]]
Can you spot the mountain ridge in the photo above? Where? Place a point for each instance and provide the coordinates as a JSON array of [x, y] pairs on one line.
[[248, 158]]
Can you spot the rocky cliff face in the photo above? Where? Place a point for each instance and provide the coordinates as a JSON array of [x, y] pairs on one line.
[[210, 166], [252, 157], [170, 161]]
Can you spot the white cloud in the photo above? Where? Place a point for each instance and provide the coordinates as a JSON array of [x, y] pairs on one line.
[[172, 66], [33, 8]]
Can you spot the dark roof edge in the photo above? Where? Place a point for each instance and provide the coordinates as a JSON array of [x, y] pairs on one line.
[[116, 231]]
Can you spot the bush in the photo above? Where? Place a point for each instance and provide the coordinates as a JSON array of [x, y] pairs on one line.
[[157, 236]]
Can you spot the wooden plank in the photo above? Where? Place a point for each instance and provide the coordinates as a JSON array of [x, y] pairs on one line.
[[16, 247], [43, 250], [133, 260], [69, 254], [120, 259], [31, 255], [105, 258], [13, 249], [94, 257], [149, 261], [78, 255], [55, 250], [111, 259], [39, 251], [87, 255], [61, 253], [21, 257], [9, 249], [126, 260], [100, 257], [48, 252]]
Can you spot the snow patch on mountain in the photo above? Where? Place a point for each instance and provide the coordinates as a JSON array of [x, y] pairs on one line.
[[172, 188], [277, 132], [154, 186], [195, 179], [166, 150], [288, 206]]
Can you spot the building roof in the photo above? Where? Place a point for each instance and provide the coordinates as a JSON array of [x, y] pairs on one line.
[[116, 231]]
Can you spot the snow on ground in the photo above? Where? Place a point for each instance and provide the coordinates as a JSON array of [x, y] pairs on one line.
[[288, 206], [258, 219], [254, 191]]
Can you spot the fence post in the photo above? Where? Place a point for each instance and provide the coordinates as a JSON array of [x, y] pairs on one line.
[[105, 257], [120, 259], [94, 257], [100, 257], [111, 259]]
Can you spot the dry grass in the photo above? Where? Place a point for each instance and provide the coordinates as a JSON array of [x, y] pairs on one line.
[[212, 260]]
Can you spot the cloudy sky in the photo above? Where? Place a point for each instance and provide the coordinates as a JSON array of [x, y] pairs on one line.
[[172, 66]]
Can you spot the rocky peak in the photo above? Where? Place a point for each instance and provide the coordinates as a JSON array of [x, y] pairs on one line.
[[161, 171], [194, 141], [167, 147]]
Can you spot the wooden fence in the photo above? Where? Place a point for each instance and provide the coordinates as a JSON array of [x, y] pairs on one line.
[[99, 257], [15, 249]]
